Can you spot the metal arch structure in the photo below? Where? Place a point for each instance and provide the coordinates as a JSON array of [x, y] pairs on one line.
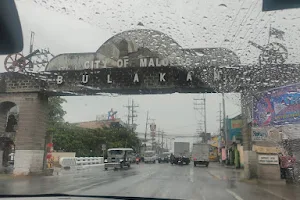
[[167, 67]]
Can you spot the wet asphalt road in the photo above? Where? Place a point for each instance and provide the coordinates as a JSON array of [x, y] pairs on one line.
[[144, 180]]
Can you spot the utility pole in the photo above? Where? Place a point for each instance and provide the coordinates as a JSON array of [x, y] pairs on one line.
[[31, 42], [220, 118], [162, 140], [158, 140], [131, 114], [200, 106], [224, 121], [128, 112], [146, 126], [167, 143]]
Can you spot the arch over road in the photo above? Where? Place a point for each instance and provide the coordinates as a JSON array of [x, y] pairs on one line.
[[133, 62]]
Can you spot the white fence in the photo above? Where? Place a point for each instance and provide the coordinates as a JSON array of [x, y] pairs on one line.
[[89, 160], [80, 161]]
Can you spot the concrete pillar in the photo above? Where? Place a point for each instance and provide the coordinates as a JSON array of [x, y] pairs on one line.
[[250, 164], [3, 117], [30, 136], [1, 160], [249, 156]]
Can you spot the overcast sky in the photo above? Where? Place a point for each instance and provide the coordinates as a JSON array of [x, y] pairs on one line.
[[71, 26]]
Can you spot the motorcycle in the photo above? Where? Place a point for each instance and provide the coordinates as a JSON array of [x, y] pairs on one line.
[[290, 176], [180, 161], [137, 161]]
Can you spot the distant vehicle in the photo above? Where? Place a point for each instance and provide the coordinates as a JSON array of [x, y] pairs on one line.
[[149, 157], [181, 153], [117, 158], [200, 154], [164, 157]]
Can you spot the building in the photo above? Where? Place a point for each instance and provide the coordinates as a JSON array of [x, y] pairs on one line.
[[102, 124]]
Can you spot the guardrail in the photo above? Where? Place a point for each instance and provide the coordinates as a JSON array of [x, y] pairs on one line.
[[80, 161]]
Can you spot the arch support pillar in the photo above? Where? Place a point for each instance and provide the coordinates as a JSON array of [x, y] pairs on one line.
[[29, 141]]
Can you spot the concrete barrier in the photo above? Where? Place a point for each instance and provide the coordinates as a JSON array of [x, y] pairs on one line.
[[69, 162], [89, 161]]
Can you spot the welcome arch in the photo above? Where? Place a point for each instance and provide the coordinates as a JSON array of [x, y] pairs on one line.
[[132, 62]]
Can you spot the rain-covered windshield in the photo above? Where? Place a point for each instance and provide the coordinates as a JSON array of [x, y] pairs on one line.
[[214, 84]]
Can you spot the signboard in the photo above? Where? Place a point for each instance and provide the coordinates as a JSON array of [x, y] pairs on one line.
[[224, 155], [103, 147], [152, 127], [262, 149], [268, 159], [234, 129], [279, 106], [214, 141], [152, 134], [236, 123], [272, 134], [258, 135]]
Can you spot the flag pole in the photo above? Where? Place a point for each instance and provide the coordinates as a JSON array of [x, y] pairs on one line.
[[269, 34]]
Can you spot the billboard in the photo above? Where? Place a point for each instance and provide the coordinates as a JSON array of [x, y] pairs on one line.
[[278, 107]]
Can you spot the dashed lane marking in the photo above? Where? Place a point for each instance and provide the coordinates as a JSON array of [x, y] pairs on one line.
[[192, 174], [237, 197]]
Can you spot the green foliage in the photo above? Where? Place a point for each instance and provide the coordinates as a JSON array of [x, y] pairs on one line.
[[88, 142], [56, 112], [85, 142]]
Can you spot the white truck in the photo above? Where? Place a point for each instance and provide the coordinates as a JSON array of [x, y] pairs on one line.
[[200, 154], [149, 157], [182, 153]]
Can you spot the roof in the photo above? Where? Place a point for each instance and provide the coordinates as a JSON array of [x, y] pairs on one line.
[[239, 116], [98, 124], [123, 149]]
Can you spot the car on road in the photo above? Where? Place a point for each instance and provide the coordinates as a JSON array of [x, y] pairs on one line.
[[150, 157], [164, 157]]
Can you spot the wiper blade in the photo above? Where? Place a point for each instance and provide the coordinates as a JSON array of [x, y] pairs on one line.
[[75, 195]]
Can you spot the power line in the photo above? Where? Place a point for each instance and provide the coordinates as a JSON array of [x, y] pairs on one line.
[[265, 26], [245, 17], [250, 28], [232, 23]]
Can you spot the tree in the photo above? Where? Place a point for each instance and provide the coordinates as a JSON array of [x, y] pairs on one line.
[[88, 142], [55, 116], [85, 142], [56, 112]]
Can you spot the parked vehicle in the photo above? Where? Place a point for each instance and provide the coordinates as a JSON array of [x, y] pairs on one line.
[[181, 153], [164, 157], [200, 154], [118, 158], [149, 157]]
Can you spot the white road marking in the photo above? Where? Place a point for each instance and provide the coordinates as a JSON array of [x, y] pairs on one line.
[[276, 195], [234, 195], [192, 174]]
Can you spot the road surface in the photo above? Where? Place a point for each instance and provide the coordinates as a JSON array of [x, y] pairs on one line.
[[144, 180]]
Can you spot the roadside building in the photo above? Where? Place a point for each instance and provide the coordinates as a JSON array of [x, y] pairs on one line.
[[102, 124]]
